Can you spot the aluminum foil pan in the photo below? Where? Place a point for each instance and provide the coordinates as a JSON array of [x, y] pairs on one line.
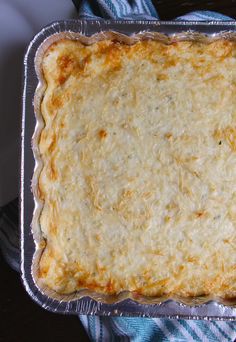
[[86, 301]]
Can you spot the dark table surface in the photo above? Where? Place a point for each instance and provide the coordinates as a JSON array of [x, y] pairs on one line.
[[169, 9], [21, 320]]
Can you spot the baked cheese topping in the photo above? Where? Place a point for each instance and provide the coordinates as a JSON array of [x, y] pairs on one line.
[[139, 175]]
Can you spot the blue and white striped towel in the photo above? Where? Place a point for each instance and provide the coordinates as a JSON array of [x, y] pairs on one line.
[[124, 328]]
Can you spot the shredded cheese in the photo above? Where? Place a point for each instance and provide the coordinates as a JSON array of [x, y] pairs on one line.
[[139, 175]]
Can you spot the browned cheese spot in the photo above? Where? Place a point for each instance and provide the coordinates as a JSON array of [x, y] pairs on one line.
[[102, 134], [53, 143], [112, 54], [200, 213], [228, 134], [52, 170]]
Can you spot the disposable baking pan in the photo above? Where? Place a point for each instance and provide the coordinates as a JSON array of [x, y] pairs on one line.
[[86, 301]]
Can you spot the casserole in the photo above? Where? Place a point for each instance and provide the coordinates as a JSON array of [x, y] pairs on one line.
[[139, 172], [92, 300]]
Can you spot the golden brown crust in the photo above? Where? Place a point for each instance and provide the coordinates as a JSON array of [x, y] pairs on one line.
[[139, 168]]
